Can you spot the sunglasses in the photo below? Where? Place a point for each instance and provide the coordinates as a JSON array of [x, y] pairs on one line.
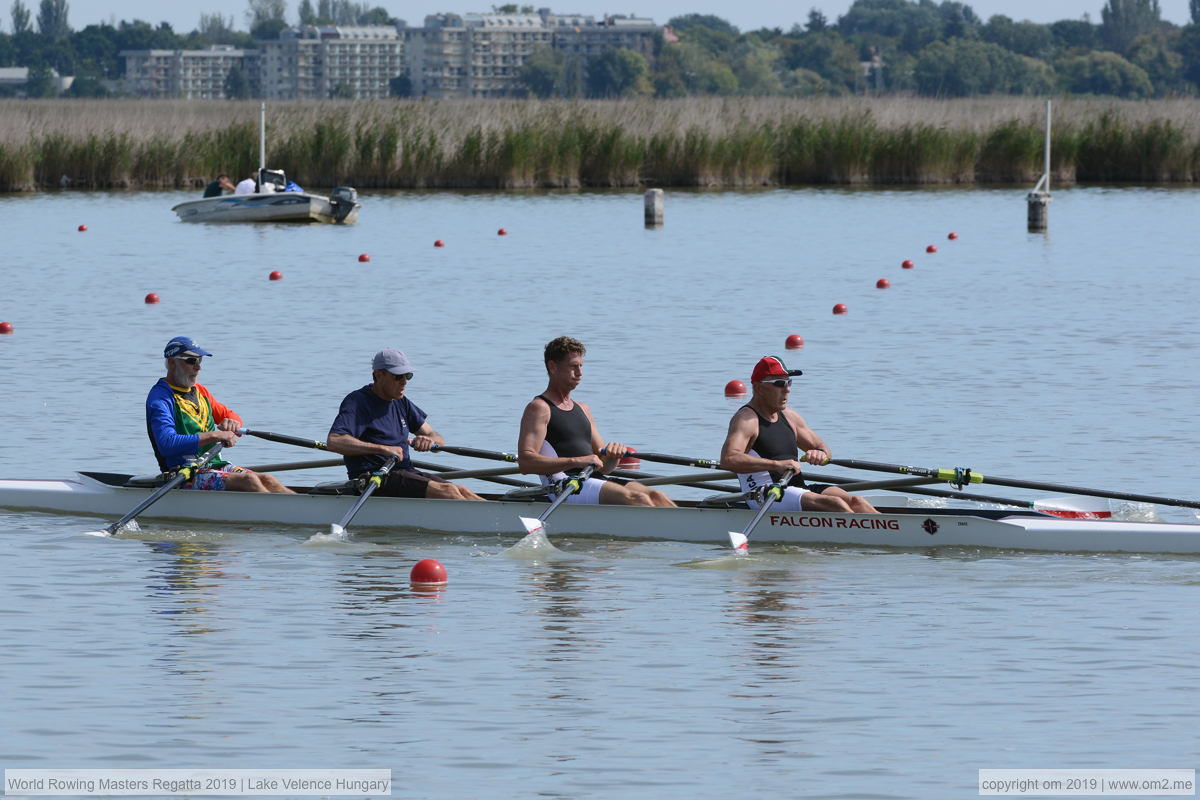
[[405, 377], [191, 360], [781, 383]]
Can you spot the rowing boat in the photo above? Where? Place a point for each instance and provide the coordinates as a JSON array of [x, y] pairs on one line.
[[105, 494]]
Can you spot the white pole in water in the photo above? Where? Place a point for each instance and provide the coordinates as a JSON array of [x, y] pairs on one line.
[[1039, 199], [653, 203]]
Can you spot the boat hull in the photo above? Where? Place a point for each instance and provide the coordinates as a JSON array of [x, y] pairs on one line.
[[896, 528], [265, 207]]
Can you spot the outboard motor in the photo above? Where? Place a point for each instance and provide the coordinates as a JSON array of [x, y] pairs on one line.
[[343, 199]]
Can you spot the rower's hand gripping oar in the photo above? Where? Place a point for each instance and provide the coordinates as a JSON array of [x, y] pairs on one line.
[[569, 487], [338, 529], [741, 541], [184, 474]]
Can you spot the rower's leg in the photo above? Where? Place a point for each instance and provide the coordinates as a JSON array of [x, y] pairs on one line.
[[272, 484], [633, 494], [444, 490], [812, 501]]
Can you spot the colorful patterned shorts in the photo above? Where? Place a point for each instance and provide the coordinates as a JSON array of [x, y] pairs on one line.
[[212, 480]]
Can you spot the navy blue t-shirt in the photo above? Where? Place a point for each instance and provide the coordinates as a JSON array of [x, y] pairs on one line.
[[367, 416]]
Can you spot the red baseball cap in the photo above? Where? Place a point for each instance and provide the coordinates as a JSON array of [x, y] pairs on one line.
[[771, 367]]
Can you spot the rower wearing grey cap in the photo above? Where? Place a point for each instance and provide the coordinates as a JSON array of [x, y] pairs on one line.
[[378, 421]]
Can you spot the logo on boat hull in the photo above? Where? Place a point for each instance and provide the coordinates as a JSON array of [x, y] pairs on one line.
[[930, 527]]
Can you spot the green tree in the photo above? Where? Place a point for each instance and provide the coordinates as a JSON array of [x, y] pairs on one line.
[[52, 20], [237, 84], [8, 53], [96, 51], [375, 16], [400, 86], [1125, 20], [1026, 38], [712, 33], [343, 91], [963, 67], [542, 72], [1162, 64], [1188, 47], [266, 18], [1194, 8], [308, 16], [818, 22], [755, 67], [40, 82], [1104, 73], [86, 86], [216, 29], [828, 55], [20, 18], [618, 73]]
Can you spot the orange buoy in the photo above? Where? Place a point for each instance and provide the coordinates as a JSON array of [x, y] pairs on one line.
[[275, 275], [735, 388], [907, 264], [151, 298], [6, 327], [794, 342], [882, 283], [428, 571], [502, 232], [952, 236], [439, 243], [840, 308], [82, 228], [931, 249]]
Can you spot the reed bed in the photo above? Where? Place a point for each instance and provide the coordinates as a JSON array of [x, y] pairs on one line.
[[506, 144]]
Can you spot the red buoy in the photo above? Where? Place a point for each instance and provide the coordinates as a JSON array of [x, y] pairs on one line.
[[931, 249], [735, 388], [6, 327], [428, 571], [840, 308], [364, 258], [82, 228], [439, 243], [882, 283], [794, 342], [502, 232], [952, 236], [907, 264], [151, 298], [276, 275]]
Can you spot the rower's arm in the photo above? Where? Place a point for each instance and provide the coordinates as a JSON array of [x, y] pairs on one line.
[[529, 445], [811, 445], [346, 445], [610, 452], [427, 438]]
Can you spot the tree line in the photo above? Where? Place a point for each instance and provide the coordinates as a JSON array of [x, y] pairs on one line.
[[921, 47]]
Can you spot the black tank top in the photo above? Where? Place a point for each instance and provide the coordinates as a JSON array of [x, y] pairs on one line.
[[568, 432], [776, 441]]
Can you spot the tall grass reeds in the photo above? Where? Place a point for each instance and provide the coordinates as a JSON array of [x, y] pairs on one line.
[[505, 144]]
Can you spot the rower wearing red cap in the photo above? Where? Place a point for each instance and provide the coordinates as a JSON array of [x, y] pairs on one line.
[[765, 439], [558, 435]]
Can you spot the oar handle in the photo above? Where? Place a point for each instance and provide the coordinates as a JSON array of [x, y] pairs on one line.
[[283, 439], [474, 453]]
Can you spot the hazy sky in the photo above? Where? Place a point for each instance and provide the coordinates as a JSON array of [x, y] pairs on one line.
[[746, 14]]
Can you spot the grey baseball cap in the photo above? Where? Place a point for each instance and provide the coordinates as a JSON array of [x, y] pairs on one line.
[[393, 361]]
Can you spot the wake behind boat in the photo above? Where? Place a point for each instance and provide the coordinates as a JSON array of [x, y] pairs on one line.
[[108, 495]]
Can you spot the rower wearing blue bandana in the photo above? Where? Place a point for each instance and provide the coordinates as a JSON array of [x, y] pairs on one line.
[[765, 439], [559, 437], [184, 420]]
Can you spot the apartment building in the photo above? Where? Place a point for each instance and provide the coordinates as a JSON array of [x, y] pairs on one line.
[[188, 74], [317, 62], [452, 56]]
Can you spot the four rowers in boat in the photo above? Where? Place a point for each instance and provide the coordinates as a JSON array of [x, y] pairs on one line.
[[558, 434]]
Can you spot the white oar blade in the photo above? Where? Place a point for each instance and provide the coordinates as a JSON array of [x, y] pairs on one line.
[[337, 531], [97, 533], [532, 525], [739, 541]]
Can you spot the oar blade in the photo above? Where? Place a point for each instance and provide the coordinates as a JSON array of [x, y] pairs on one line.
[[532, 525], [337, 531], [740, 542]]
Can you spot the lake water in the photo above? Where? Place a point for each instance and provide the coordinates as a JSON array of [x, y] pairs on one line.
[[632, 670]]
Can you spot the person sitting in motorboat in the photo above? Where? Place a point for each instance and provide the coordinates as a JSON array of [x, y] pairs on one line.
[[184, 420], [377, 421], [219, 186], [248, 186], [764, 441]]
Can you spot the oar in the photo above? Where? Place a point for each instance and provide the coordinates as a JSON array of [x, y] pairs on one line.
[[964, 476], [569, 487], [283, 439], [185, 473], [741, 541], [474, 452], [338, 529], [442, 468], [284, 466]]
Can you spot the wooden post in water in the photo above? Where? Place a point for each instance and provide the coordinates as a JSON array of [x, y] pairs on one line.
[[1039, 199], [654, 208]]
